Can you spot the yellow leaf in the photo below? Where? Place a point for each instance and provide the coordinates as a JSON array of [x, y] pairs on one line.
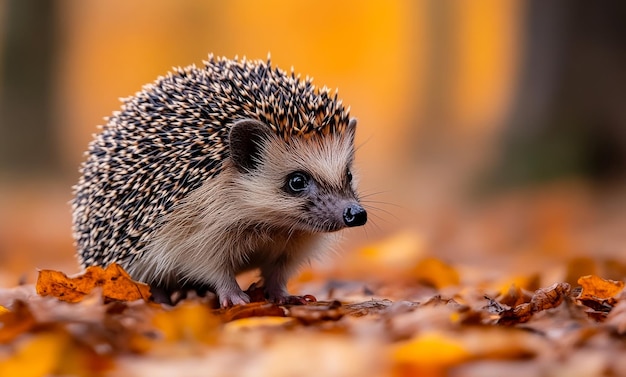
[[596, 287], [16, 322], [115, 282], [187, 321], [257, 322], [427, 355], [434, 272], [39, 356]]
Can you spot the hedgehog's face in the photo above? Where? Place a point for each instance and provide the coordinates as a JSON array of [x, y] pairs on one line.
[[305, 185]]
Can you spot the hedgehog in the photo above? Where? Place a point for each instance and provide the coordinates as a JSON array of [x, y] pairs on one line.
[[212, 171]]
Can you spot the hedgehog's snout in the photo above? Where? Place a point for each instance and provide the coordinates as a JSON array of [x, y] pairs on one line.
[[354, 215]]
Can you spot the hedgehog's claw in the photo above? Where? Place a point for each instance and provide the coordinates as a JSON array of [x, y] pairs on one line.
[[233, 298]]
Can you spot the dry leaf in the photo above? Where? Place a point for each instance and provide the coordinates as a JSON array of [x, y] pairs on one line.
[[433, 272], [595, 287], [253, 309], [514, 296], [116, 284], [427, 355], [187, 321], [317, 312], [373, 307], [543, 299], [252, 323], [617, 318], [598, 295], [37, 356], [15, 322]]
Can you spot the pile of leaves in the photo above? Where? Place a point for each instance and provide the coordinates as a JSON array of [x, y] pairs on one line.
[[102, 323]]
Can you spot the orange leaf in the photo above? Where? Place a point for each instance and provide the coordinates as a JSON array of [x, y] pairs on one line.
[[116, 284], [15, 322], [187, 321], [428, 355], [38, 356], [436, 273], [245, 324], [596, 287]]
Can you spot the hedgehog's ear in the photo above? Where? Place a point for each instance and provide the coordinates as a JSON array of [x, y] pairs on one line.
[[245, 140]]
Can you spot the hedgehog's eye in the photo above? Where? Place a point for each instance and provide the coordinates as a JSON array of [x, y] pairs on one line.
[[297, 182], [349, 175]]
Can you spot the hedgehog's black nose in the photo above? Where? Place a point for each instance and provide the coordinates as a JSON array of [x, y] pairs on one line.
[[354, 215]]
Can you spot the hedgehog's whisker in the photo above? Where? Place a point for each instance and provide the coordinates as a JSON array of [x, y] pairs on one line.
[[369, 206]]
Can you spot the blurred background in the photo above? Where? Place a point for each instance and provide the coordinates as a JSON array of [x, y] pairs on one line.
[[492, 133]]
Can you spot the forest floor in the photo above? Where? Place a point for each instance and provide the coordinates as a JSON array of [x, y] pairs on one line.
[[529, 285]]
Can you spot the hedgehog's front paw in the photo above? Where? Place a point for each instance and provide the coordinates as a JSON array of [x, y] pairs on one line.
[[232, 298]]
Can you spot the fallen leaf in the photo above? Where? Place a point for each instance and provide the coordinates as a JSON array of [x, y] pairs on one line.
[[372, 306], [37, 356], [187, 321], [15, 322], [551, 297], [253, 309], [434, 272], [251, 323], [317, 312], [116, 284], [595, 287], [617, 318], [513, 297], [518, 290], [429, 354], [598, 295], [542, 299]]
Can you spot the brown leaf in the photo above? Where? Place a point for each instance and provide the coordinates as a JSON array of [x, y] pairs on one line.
[[543, 299], [317, 312], [254, 309], [514, 296], [548, 298], [372, 306], [116, 284], [617, 318]]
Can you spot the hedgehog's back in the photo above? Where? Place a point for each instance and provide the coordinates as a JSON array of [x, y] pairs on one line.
[[147, 157]]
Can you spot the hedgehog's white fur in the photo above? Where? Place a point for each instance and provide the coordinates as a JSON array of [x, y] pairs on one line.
[[215, 233]]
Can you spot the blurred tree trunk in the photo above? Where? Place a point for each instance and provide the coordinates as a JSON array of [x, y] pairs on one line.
[[569, 117], [27, 143]]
